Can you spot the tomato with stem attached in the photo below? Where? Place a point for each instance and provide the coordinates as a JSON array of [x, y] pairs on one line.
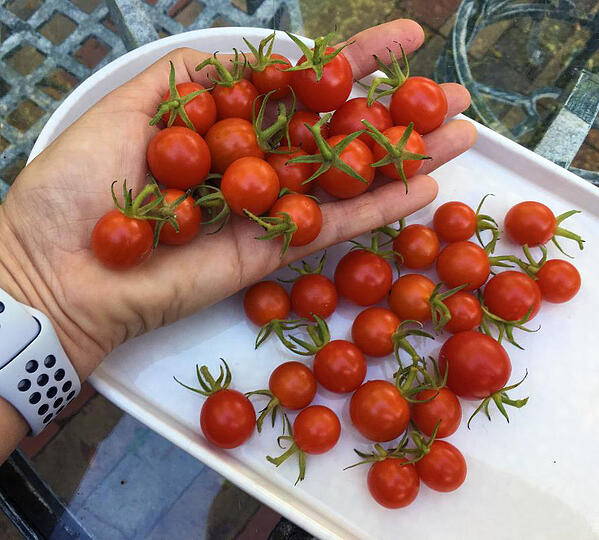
[[269, 69], [348, 118], [512, 296], [437, 406], [291, 175], [363, 276], [187, 215], [300, 136], [443, 467], [416, 246], [465, 311], [340, 366], [229, 140], [393, 482], [409, 297], [266, 301], [304, 213]]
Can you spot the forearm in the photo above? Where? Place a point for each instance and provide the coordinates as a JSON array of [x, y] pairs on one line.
[[12, 429]]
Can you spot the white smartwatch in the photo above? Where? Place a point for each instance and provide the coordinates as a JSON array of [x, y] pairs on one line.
[[36, 377]]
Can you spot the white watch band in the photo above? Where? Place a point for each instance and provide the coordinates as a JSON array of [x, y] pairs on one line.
[[36, 376]]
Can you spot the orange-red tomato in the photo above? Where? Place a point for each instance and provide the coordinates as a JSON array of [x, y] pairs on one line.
[[229, 140], [265, 301]]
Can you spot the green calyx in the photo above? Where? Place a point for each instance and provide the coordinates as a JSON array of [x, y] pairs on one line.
[[328, 156], [531, 266], [381, 454], [208, 384], [174, 105], [275, 226], [396, 153], [500, 399], [440, 313], [317, 57], [272, 408], [262, 54], [394, 77], [485, 222], [307, 269], [317, 330], [414, 379], [270, 137], [168, 210], [400, 341], [565, 233], [224, 76], [504, 328], [375, 245], [137, 207], [212, 201], [292, 450]]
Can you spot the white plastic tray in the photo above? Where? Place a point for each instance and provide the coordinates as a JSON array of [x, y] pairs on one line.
[[533, 478]]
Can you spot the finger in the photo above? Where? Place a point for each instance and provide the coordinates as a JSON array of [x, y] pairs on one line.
[[458, 98], [376, 40], [447, 142]]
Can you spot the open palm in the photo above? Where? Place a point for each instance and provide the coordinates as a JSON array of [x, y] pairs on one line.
[[48, 216]]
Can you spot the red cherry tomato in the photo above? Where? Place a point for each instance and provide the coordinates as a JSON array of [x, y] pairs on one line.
[[273, 77], [340, 366], [512, 295], [348, 118], [363, 277], [463, 263], [477, 366], [454, 221], [443, 408], [373, 329], [188, 216], [414, 144], [229, 140], [417, 245], [304, 212], [227, 418], [558, 280], [465, 310], [443, 468], [250, 183], [530, 223], [419, 100], [328, 93], [393, 482], [299, 135], [236, 101], [379, 411], [178, 157], [293, 384], [409, 297], [121, 242], [201, 110], [265, 301], [313, 294], [293, 175], [316, 429]]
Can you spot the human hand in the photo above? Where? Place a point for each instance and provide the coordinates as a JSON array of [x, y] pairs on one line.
[[50, 211]]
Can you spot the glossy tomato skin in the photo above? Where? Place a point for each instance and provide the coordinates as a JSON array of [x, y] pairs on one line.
[[265, 301], [409, 297], [178, 157], [558, 280], [188, 216], [348, 118], [313, 294], [340, 366], [392, 483], [466, 312], [201, 110], [341, 185], [443, 468], [477, 366], [120, 242], [250, 183], [463, 263], [273, 77], [373, 329], [363, 277], [293, 384], [292, 175], [454, 221], [228, 419], [444, 407], [328, 93], [235, 101], [299, 135], [419, 100], [229, 140], [316, 429], [414, 144], [379, 411], [417, 245], [512, 295], [304, 212], [530, 223]]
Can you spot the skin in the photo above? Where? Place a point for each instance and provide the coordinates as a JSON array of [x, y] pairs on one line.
[[50, 211], [265, 301]]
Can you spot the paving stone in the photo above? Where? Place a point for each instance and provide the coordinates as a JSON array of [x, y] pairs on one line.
[[92, 52], [185, 11], [4, 87], [23, 8], [58, 83], [3, 144], [10, 172], [587, 158], [57, 28], [86, 5], [25, 115], [24, 59]]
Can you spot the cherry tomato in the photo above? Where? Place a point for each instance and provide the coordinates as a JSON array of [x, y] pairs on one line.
[[443, 468], [379, 411], [236, 101], [340, 184], [558, 280], [293, 384], [454, 221], [419, 100], [340, 366], [477, 366], [299, 135], [363, 277], [409, 297], [313, 294], [229, 140], [250, 183], [328, 93], [530, 223], [415, 144], [373, 329], [273, 77], [201, 110], [417, 245], [303, 211], [265, 301], [443, 408], [393, 482], [188, 216], [348, 118], [512, 295], [465, 310], [316, 429], [121, 242], [178, 157], [292, 175], [227, 418], [463, 263]]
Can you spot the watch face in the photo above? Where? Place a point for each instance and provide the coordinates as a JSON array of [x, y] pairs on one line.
[[18, 329]]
